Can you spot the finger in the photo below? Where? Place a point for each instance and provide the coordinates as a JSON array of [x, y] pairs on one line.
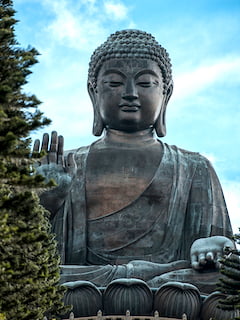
[[218, 256], [194, 261], [54, 142], [44, 147], [209, 256], [202, 258], [45, 142], [218, 260], [36, 145], [52, 155], [60, 159]]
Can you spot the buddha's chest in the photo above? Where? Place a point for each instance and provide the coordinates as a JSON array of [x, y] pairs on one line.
[[115, 178]]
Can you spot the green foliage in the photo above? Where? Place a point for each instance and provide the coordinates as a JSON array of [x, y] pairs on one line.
[[229, 284], [29, 271], [29, 264]]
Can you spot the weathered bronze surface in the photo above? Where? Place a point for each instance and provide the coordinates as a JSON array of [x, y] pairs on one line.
[[129, 205]]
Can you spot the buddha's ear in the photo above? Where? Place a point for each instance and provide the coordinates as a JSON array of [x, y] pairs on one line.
[[97, 120], [160, 125]]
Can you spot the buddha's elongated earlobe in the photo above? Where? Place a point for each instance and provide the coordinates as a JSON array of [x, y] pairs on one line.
[[98, 125], [160, 125]]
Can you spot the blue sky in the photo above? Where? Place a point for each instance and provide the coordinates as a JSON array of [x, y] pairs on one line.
[[203, 40]]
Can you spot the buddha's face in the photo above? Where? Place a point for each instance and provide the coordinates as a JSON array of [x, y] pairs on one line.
[[129, 94]]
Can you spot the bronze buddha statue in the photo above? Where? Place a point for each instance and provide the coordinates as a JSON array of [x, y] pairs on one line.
[[129, 205]]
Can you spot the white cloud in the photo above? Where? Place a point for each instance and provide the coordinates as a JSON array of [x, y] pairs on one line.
[[82, 24], [71, 26], [195, 80], [71, 115], [211, 157], [117, 11]]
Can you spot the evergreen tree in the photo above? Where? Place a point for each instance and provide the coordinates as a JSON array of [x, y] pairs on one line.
[[229, 284], [29, 264]]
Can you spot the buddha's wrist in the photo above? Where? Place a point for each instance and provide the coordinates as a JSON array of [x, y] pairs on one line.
[[130, 270]]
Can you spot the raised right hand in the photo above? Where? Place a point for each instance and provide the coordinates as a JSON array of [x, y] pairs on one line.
[[54, 166]]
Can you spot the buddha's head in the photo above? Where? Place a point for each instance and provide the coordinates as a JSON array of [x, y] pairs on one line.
[[130, 83]]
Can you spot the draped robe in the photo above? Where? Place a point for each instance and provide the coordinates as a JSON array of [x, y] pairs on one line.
[[182, 202]]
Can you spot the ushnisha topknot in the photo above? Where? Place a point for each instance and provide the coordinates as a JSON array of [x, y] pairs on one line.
[[130, 43]]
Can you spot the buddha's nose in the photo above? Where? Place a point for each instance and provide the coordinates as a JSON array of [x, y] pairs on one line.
[[130, 91]]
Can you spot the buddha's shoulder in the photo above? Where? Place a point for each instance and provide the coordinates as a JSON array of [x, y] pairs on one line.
[[187, 155], [78, 152]]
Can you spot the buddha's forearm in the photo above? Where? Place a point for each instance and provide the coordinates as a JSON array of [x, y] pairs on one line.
[[103, 275], [146, 270]]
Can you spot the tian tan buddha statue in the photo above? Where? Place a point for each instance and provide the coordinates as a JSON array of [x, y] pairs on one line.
[[129, 205]]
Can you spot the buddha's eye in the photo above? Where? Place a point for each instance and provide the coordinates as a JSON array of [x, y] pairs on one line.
[[113, 80], [115, 83], [144, 84], [147, 84], [147, 81]]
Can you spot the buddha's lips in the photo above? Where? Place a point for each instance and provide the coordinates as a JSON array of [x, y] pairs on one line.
[[129, 107]]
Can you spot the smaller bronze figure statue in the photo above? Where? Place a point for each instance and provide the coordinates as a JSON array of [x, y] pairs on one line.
[[129, 205]]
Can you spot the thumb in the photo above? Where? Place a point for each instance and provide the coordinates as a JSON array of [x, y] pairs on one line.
[[71, 165]]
